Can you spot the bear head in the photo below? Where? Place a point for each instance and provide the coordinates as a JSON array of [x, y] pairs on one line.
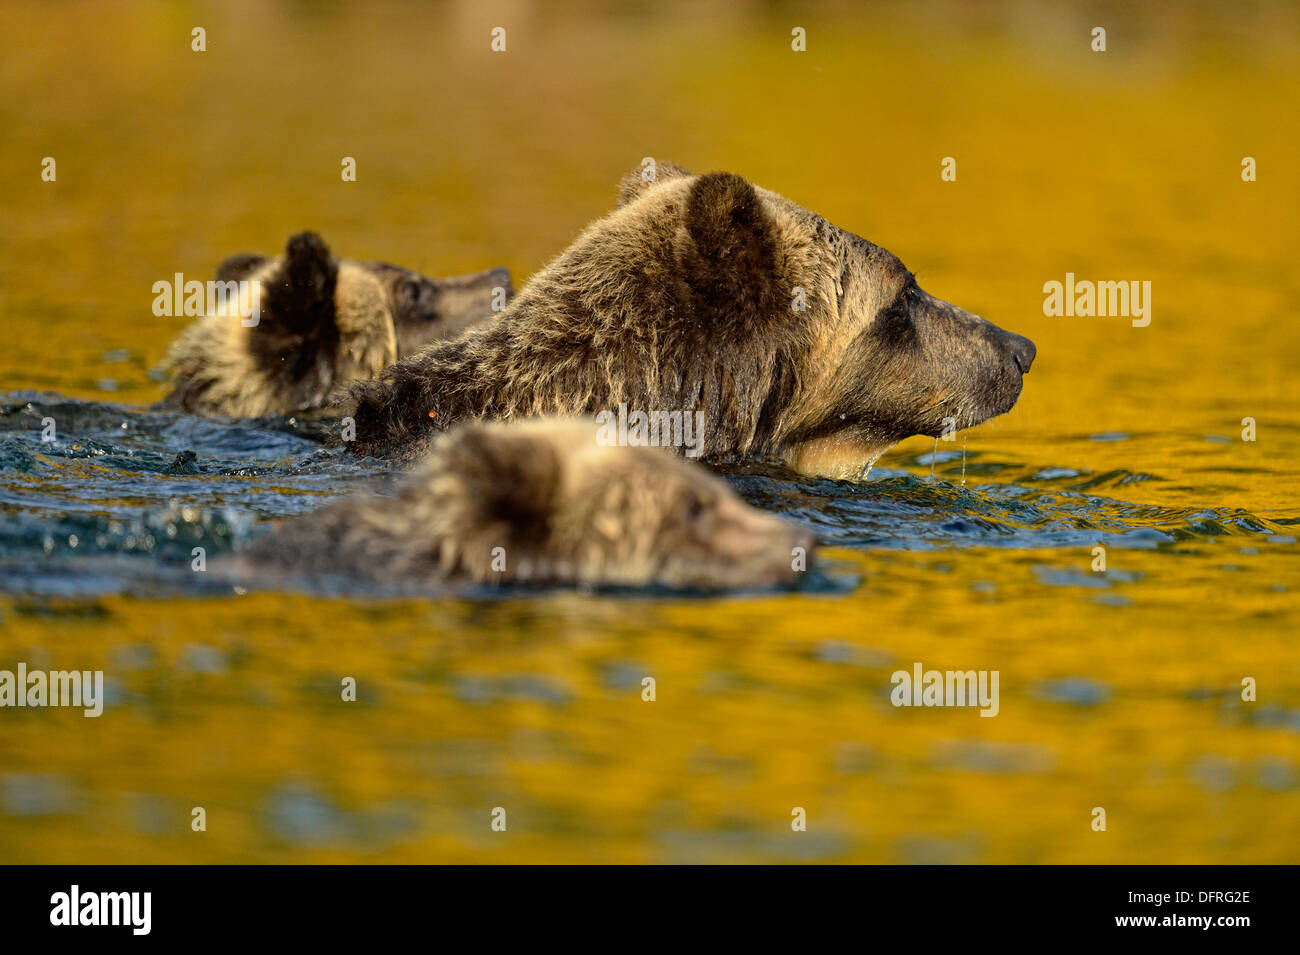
[[541, 502], [572, 510], [857, 354], [426, 309], [321, 323]]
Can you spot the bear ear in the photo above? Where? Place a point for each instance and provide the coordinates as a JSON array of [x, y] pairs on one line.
[[731, 253], [239, 266], [298, 329], [508, 476], [650, 173], [300, 295]]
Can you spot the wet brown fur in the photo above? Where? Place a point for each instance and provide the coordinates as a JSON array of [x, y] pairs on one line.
[[323, 323], [563, 508], [682, 298]]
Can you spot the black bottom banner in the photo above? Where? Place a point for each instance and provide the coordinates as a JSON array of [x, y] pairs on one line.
[[334, 903]]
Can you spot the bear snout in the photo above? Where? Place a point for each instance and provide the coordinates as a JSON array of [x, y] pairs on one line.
[[1021, 350]]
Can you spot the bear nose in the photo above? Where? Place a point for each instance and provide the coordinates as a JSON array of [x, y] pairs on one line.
[[1022, 351]]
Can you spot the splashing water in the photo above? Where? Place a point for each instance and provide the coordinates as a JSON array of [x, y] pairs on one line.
[[104, 508]]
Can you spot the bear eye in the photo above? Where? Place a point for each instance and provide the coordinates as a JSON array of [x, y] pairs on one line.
[[900, 307], [907, 294], [409, 292], [894, 322]]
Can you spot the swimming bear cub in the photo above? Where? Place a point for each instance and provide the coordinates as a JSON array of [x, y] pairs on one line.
[[540, 502], [320, 323], [798, 341]]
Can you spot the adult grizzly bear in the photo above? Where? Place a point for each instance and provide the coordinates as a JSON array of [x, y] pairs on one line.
[[539, 502], [321, 323], [797, 340]]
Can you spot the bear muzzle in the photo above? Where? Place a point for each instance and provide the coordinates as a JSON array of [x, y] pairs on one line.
[[1021, 350]]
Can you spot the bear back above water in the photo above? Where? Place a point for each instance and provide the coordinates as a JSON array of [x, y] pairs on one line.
[[539, 502], [797, 340]]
